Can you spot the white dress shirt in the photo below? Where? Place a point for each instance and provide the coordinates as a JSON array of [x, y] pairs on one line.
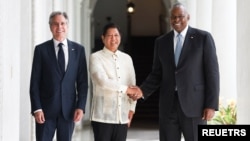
[[183, 35], [111, 74]]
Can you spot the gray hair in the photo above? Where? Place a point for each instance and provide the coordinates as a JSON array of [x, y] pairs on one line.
[[179, 4], [55, 13]]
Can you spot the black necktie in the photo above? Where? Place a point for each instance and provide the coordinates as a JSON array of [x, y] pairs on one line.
[[61, 59]]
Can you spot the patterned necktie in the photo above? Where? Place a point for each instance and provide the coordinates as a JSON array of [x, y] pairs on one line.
[[178, 48], [61, 59]]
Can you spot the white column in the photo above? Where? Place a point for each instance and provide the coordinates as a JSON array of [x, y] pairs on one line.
[[191, 6], [74, 22], [59, 5], [10, 70], [26, 52], [243, 61], [40, 19], [86, 41], [1, 67], [224, 32], [204, 15], [73, 10]]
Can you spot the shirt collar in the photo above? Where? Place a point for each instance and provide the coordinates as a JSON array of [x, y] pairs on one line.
[[183, 33], [110, 52], [65, 43]]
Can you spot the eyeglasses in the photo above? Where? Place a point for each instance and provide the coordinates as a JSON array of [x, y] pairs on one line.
[[177, 17]]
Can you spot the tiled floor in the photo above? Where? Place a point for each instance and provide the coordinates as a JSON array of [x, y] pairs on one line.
[[143, 131]]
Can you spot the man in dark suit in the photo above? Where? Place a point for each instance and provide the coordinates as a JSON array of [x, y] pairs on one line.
[[58, 89], [189, 88]]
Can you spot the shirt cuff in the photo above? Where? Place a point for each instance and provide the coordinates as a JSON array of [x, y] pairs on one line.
[[37, 110]]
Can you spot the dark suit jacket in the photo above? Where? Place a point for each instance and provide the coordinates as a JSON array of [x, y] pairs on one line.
[[50, 91], [196, 76]]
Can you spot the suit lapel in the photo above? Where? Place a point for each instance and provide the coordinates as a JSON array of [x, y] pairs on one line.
[[168, 46], [51, 51], [170, 42], [71, 52]]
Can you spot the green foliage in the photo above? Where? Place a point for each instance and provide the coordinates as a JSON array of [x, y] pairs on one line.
[[226, 115]]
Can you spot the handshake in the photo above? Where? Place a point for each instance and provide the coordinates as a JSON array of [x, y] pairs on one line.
[[134, 92]]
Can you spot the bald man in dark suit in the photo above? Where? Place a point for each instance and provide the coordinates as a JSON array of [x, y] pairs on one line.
[[189, 86]]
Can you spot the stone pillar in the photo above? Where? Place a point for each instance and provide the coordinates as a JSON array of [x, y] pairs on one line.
[[204, 15], [26, 52], [87, 35], [71, 7], [243, 61], [40, 21], [10, 28], [191, 6], [224, 32]]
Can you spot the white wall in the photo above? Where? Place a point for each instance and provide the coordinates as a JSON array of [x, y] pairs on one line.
[[243, 61]]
